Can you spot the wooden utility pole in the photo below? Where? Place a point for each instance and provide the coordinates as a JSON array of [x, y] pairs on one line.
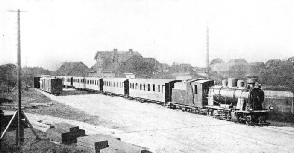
[[21, 118], [207, 53], [20, 130]]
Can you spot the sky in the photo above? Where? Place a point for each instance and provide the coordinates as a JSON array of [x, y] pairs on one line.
[[56, 31]]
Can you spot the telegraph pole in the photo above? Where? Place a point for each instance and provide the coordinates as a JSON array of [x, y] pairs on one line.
[[207, 53], [20, 129], [19, 115]]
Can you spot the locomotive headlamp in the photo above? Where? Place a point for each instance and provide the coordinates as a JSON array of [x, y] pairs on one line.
[[271, 108]]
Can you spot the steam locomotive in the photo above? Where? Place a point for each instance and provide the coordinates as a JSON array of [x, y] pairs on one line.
[[230, 101], [233, 100]]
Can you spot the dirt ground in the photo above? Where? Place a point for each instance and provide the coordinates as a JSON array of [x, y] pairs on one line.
[[165, 130], [158, 128]]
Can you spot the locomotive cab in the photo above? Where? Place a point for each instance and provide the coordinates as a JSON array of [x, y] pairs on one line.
[[191, 93]]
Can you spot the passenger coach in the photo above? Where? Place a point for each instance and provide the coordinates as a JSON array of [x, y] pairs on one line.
[[151, 89], [117, 86], [94, 83]]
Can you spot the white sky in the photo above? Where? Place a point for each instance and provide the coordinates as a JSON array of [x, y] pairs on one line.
[[54, 31]]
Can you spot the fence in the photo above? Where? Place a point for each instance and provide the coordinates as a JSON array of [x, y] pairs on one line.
[[282, 101]]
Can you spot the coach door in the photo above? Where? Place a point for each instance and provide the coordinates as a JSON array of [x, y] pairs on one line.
[[197, 93], [71, 81], [126, 87], [101, 84]]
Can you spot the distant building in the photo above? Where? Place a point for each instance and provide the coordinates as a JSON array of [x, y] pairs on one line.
[[109, 61], [291, 59], [73, 69]]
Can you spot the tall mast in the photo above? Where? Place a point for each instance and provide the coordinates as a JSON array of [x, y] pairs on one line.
[[207, 53]]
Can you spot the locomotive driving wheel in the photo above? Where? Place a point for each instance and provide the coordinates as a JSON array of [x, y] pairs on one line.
[[249, 120], [261, 119]]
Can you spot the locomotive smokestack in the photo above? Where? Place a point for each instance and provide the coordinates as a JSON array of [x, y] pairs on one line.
[[207, 53]]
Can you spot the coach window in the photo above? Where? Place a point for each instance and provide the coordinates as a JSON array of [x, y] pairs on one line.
[[158, 88], [163, 86], [195, 89], [153, 87], [148, 87], [136, 86], [144, 87]]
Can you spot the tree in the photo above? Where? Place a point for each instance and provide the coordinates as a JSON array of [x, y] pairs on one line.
[[8, 76], [217, 60], [278, 73]]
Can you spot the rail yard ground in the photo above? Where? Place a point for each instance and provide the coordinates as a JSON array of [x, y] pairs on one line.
[[149, 125]]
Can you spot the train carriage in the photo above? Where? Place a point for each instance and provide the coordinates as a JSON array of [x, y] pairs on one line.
[[117, 86], [151, 89], [51, 85], [79, 82], [67, 81], [94, 83]]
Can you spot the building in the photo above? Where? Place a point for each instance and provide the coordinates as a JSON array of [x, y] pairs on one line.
[[109, 61], [73, 69]]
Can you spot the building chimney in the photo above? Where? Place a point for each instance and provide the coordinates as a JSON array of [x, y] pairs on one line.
[[131, 51]]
